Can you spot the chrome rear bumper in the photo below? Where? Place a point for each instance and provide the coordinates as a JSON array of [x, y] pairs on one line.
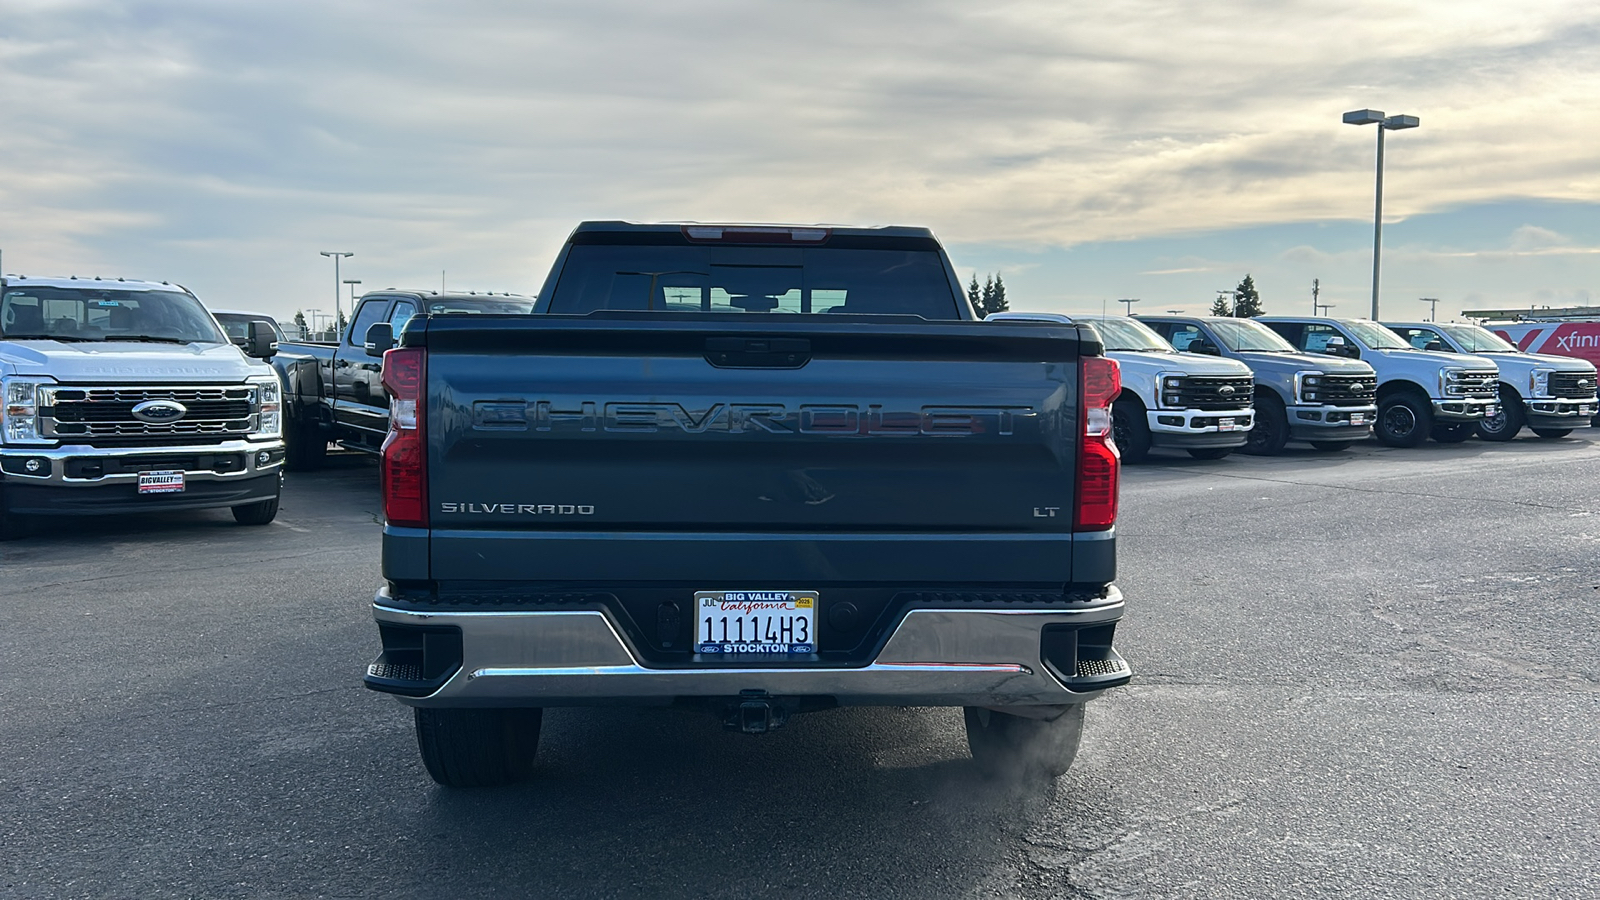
[[934, 657]]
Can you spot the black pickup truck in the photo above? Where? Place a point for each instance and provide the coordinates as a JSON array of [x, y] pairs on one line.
[[762, 470], [332, 389]]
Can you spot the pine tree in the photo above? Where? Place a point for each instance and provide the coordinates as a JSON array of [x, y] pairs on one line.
[[988, 294], [997, 300], [300, 323], [1219, 306], [973, 297], [1247, 302]]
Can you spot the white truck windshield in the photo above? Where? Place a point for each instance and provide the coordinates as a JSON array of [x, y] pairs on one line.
[[1123, 333], [1245, 336], [1474, 339], [105, 314]]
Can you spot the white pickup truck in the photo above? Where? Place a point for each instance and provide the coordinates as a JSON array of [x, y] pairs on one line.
[[127, 397], [1199, 404]]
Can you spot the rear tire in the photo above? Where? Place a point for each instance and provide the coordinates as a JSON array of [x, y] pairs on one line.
[[464, 748], [1210, 452], [305, 446], [1551, 434], [1131, 430], [1504, 425], [1453, 432], [1015, 747], [1330, 446], [1271, 431], [1404, 419], [261, 513]]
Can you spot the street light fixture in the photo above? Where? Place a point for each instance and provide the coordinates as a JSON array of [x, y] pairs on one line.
[[352, 282], [1433, 307], [1325, 307], [1233, 300], [1384, 123], [307, 331], [336, 255], [1128, 303]]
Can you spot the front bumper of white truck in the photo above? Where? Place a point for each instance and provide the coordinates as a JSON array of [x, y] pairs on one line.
[[1199, 428], [79, 480]]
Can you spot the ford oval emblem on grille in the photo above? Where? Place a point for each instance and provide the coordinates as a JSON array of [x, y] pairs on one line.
[[1226, 390], [159, 412], [1358, 386]]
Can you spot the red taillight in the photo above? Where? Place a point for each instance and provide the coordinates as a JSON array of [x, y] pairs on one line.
[[405, 457], [1098, 459]]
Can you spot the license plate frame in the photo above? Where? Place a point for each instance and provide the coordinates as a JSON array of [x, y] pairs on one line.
[[1358, 418], [1227, 423], [1491, 411], [163, 481], [1585, 410], [734, 614]]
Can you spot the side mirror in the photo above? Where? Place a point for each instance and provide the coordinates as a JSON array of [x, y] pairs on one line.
[[262, 342], [1337, 347], [380, 339], [1433, 347], [1206, 347]]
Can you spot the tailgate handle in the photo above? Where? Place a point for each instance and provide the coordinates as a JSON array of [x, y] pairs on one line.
[[758, 353]]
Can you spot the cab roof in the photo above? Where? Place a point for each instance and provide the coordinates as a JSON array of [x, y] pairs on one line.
[[74, 281], [709, 231]]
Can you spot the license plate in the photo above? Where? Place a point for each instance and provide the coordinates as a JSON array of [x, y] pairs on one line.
[[764, 622], [1490, 412], [161, 482], [1358, 418], [1226, 425], [1585, 410]]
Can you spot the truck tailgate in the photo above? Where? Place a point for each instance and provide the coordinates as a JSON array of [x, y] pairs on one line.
[[848, 451]]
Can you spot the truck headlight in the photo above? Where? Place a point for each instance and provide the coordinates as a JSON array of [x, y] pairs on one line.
[[1539, 383], [20, 411], [269, 407], [1307, 385], [1450, 382], [1171, 390]]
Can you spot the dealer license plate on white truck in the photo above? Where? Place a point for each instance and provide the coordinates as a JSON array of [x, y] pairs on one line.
[[169, 482], [765, 622]]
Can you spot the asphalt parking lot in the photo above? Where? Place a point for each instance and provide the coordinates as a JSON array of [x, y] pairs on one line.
[[1366, 674]]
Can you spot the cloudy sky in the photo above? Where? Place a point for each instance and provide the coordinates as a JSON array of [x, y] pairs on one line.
[[1087, 150]]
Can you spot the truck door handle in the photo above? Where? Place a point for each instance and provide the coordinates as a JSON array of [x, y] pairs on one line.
[[758, 352]]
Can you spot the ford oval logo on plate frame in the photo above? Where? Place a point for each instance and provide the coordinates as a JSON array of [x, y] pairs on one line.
[[159, 412]]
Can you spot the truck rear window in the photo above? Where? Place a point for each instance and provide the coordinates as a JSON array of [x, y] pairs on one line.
[[693, 279]]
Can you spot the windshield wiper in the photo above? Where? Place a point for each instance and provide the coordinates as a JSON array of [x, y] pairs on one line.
[[147, 338], [44, 337]]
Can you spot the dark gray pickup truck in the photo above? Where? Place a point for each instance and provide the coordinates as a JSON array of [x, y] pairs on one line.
[[332, 389], [757, 470]]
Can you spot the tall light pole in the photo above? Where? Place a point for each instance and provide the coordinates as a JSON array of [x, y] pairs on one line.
[[1433, 307], [309, 329], [337, 255], [352, 282], [1233, 300], [1384, 123], [1325, 307], [1128, 303]]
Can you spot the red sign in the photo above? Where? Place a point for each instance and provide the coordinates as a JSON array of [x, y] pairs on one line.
[[1576, 339]]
